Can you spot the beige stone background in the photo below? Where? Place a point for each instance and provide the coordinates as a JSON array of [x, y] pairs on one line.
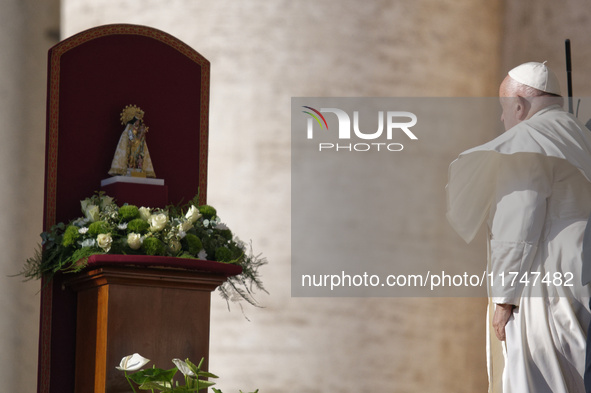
[[262, 54]]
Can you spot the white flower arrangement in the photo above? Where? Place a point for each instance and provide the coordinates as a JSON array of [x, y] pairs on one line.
[[191, 231]]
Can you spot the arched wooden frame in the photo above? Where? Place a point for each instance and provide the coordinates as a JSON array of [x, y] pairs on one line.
[[92, 76]]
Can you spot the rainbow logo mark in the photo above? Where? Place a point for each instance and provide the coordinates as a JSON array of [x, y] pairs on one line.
[[316, 118]]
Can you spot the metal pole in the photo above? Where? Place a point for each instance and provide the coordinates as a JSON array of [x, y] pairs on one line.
[[569, 80]]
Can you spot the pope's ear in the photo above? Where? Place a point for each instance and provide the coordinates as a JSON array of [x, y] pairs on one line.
[[521, 108]]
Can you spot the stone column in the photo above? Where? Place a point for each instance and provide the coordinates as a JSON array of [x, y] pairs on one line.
[[27, 30]]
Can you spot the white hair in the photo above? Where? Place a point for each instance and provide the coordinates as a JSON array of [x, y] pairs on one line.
[[521, 90]]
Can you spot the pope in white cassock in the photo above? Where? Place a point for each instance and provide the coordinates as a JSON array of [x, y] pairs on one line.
[[532, 186]]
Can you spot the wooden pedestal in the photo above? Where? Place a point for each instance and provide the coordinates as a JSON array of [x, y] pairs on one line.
[[160, 313]]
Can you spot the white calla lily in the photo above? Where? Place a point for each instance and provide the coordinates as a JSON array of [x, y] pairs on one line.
[[183, 367], [132, 362]]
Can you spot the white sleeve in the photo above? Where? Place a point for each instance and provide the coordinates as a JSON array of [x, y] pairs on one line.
[[524, 182]]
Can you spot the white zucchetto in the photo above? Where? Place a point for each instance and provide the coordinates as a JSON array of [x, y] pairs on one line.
[[536, 75]]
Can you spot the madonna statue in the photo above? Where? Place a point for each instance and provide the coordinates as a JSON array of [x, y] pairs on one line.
[[132, 157]]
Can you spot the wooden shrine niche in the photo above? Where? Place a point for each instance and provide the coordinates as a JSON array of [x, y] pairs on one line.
[[92, 76]]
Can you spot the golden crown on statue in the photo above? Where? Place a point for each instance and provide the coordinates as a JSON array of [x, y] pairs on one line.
[[130, 112]]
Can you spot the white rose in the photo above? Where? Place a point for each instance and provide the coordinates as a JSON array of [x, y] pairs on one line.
[[104, 241], [174, 246], [134, 241], [132, 362], [84, 204], [193, 214], [87, 243], [145, 213], [157, 222], [92, 213], [185, 226], [106, 201]]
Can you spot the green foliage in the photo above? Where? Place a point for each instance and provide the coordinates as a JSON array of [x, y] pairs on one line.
[[138, 226], [222, 254], [245, 284], [153, 246], [128, 213], [207, 211], [70, 236], [98, 227], [153, 375], [212, 240], [193, 244], [226, 234], [157, 379]]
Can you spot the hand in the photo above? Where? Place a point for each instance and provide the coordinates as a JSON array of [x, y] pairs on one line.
[[502, 314]]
